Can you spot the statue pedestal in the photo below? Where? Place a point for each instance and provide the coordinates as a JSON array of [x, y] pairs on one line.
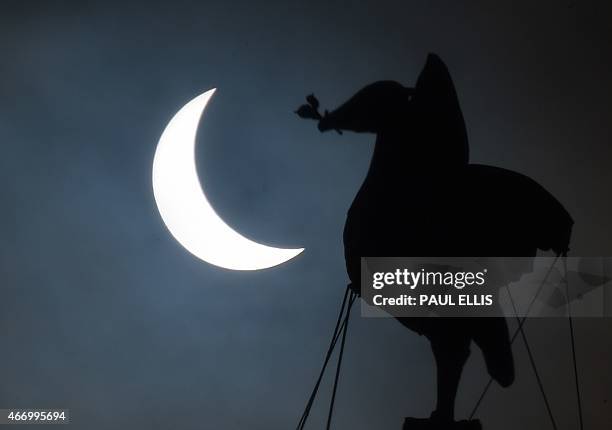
[[433, 424]]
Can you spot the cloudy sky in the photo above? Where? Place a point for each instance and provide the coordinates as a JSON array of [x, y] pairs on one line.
[[105, 314]]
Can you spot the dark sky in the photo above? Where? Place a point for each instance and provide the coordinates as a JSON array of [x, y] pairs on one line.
[[104, 313]]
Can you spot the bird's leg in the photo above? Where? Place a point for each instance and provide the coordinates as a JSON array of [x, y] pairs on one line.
[[450, 356]]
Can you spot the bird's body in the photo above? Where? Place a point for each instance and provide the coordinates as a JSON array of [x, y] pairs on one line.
[[471, 211]]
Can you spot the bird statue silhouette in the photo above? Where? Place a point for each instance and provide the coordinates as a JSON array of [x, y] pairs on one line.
[[422, 197]]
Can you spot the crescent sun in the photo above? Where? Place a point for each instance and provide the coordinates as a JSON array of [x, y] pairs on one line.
[[185, 209]]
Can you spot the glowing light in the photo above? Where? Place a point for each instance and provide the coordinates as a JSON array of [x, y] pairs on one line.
[[185, 209]]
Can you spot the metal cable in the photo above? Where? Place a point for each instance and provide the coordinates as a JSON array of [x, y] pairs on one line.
[[571, 329]]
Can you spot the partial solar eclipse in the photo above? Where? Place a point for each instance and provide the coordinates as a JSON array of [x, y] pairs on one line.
[[185, 209]]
